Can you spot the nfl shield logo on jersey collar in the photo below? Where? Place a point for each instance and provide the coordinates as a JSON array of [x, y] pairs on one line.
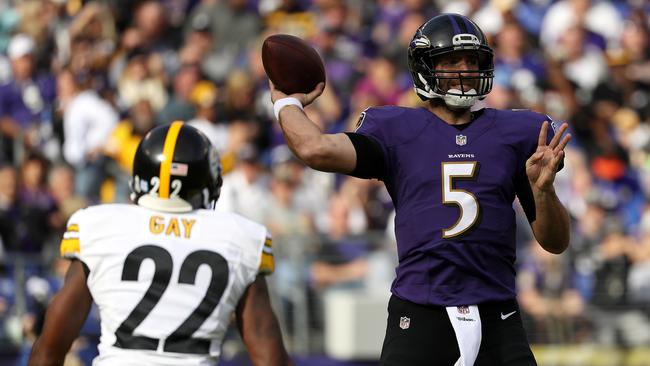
[[404, 322], [461, 140]]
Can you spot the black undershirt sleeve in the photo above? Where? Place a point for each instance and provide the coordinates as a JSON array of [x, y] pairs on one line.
[[370, 158], [525, 195]]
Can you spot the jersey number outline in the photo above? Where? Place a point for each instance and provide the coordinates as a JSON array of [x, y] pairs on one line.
[[180, 341], [466, 201]]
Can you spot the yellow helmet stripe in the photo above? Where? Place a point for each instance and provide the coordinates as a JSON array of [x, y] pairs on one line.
[[168, 155]]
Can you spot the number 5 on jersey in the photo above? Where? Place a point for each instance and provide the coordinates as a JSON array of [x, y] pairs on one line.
[[466, 201]]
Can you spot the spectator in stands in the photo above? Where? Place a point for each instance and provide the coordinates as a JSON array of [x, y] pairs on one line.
[[130, 40], [618, 320], [582, 63], [39, 291], [600, 18], [245, 190], [312, 188], [204, 97], [341, 260], [25, 101], [286, 218], [238, 101], [489, 15], [60, 184], [517, 67], [380, 84], [233, 28], [639, 276], [37, 206], [123, 142], [87, 123], [634, 60], [138, 82], [9, 206], [552, 307], [96, 26], [179, 106], [341, 54], [152, 21], [593, 130], [9, 341], [82, 56]]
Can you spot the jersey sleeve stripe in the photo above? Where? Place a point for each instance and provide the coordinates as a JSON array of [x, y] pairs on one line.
[[268, 242], [267, 265], [73, 228], [70, 235], [69, 247]]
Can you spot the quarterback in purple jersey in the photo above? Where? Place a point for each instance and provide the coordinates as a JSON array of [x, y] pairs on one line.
[[453, 174]]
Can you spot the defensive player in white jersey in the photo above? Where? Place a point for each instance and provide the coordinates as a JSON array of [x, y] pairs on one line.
[[168, 272]]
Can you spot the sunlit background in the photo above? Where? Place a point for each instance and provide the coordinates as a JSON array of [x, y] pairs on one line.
[[82, 81]]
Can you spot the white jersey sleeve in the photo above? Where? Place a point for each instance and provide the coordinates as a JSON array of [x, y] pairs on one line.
[[166, 284]]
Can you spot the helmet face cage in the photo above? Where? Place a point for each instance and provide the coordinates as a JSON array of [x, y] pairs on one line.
[[480, 79], [441, 36], [177, 161]]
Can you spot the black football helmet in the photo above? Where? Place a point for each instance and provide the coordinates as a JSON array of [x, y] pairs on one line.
[[442, 35], [176, 169]]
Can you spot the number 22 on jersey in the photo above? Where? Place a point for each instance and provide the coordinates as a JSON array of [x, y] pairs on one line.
[[180, 341], [466, 201]]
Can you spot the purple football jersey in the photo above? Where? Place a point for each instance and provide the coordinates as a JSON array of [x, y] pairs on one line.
[[453, 192]]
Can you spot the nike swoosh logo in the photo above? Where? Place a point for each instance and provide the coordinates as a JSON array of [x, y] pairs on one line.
[[506, 316]]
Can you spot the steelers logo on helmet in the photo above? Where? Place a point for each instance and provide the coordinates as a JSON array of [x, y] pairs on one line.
[[443, 37], [176, 169]]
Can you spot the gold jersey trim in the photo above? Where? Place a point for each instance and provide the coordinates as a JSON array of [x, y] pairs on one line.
[[69, 246]]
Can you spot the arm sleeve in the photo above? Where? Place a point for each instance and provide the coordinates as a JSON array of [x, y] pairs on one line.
[[370, 157], [525, 195]]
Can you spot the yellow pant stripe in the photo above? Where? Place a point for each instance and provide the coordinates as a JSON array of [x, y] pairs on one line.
[[168, 155]]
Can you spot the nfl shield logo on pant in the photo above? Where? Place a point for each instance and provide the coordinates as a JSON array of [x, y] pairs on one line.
[[404, 322]]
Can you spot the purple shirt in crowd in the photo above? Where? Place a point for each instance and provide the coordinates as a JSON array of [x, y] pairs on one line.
[[25, 102]]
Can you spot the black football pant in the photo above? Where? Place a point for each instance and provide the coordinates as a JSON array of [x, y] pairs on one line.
[[427, 338]]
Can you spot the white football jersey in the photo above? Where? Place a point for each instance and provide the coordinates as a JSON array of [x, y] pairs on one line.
[[165, 284]]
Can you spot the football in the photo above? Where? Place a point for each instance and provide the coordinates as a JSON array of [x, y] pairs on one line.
[[292, 64]]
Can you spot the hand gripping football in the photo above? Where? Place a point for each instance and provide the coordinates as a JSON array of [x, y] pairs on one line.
[[292, 65]]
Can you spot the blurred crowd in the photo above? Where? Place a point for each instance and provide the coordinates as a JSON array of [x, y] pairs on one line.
[[81, 82]]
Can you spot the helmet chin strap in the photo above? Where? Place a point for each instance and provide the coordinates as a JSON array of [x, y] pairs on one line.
[[455, 102]]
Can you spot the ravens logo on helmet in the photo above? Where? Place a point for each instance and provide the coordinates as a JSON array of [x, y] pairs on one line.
[[176, 169]]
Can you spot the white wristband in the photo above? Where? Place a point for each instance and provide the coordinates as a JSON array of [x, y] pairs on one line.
[[283, 102]]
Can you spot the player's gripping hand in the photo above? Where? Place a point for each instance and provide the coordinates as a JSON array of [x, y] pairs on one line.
[[305, 99], [543, 164]]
